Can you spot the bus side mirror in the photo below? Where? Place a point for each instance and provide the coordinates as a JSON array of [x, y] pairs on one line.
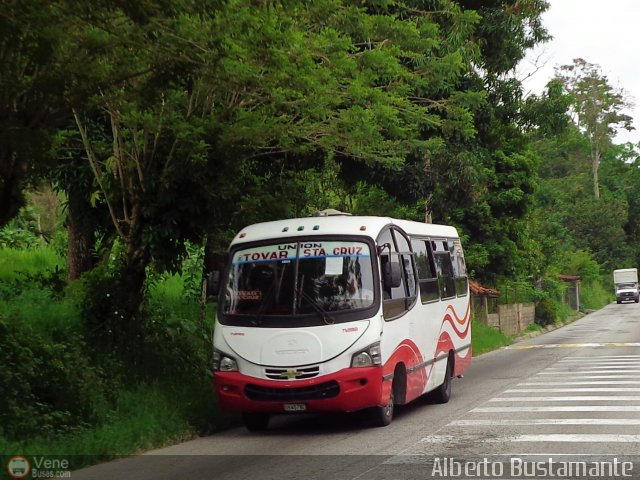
[[391, 275]]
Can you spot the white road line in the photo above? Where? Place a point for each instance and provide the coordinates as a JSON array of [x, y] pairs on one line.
[[547, 421], [598, 357], [597, 382], [572, 437], [574, 345], [595, 366], [568, 390], [595, 377], [586, 398], [573, 408], [559, 437], [573, 372], [592, 367], [606, 361]]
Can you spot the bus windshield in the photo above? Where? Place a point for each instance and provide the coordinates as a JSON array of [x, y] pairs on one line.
[[300, 278]]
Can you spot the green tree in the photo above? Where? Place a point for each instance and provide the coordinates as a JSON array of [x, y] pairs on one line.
[[621, 177], [219, 102], [597, 107], [33, 84], [494, 172]]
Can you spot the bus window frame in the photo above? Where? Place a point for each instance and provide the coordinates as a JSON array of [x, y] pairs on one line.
[[426, 241], [390, 310]]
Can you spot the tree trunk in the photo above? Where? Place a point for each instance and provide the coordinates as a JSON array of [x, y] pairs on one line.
[[131, 285], [80, 258], [428, 218], [594, 167], [12, 174]]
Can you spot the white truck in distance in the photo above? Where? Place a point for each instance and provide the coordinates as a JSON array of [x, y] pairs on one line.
[[626, 285]]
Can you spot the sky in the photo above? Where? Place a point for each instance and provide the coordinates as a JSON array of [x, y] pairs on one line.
[[605, 33]]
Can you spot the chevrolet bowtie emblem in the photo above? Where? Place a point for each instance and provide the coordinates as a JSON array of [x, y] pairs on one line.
[[290, 374]]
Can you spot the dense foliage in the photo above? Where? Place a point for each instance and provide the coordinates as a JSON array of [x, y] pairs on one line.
[[163, 127]]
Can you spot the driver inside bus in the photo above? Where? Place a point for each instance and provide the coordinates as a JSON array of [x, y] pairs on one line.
[[261, 279], [355, 292]]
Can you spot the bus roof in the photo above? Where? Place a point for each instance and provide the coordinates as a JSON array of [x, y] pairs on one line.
[[337, 225]]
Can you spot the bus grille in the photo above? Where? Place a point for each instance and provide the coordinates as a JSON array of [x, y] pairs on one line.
[[297, 374], [315, 392]]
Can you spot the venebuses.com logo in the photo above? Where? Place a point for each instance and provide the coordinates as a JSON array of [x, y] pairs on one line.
[[18, 467], [41, 466]]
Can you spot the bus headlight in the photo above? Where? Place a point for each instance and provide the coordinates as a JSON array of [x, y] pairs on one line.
[[368, 357], [224, 363]]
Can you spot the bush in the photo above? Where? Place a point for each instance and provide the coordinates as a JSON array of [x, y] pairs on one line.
[[595, 295], [49, 386], [59, 394], [546, 312], [21, 232]]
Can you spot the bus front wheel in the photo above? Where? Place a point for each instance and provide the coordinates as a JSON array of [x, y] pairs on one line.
[[382, 416], [255, 422]]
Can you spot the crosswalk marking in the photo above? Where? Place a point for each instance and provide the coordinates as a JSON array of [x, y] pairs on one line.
[[593, 377], [565, 372], [592, 358], [575, 390], [573, 345], [597, 382], [584, 398], [574, 408], [598, 395], [600, 361], [556, 437], [545, 421], [579, 368]]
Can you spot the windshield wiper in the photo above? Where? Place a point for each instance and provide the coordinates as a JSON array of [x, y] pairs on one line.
[[324, 314]]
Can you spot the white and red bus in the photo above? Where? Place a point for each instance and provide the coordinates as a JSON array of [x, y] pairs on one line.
[[339, 314]]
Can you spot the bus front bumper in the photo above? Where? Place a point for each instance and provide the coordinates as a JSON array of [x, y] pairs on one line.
[[348, 390]]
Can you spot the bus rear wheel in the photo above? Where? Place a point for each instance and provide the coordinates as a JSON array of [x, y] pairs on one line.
[[255, 422], [442, 394]]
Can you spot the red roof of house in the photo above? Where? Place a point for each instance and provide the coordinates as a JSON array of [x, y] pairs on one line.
[[478, 289], [569, 278]]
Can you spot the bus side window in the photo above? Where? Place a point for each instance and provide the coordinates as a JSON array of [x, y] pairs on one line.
[[408, 267], [427, 278], [459, 267], [444, 269], [399, 297]]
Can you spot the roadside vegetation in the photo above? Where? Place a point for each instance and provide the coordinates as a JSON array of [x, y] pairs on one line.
[[64, 397], [91, 402], [138, 138], [485, 339]]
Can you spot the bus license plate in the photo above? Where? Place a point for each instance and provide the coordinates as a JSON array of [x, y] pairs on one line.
[[295, 407]]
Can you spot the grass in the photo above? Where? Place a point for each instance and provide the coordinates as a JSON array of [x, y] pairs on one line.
[[35, 307], [16, 265], [150, 415], [534, 327], [594, 296], [485, 339]]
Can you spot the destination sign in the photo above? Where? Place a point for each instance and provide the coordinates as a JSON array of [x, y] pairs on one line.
[[291, 251]]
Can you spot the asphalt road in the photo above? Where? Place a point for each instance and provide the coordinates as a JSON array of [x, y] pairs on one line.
[[565, 404]]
